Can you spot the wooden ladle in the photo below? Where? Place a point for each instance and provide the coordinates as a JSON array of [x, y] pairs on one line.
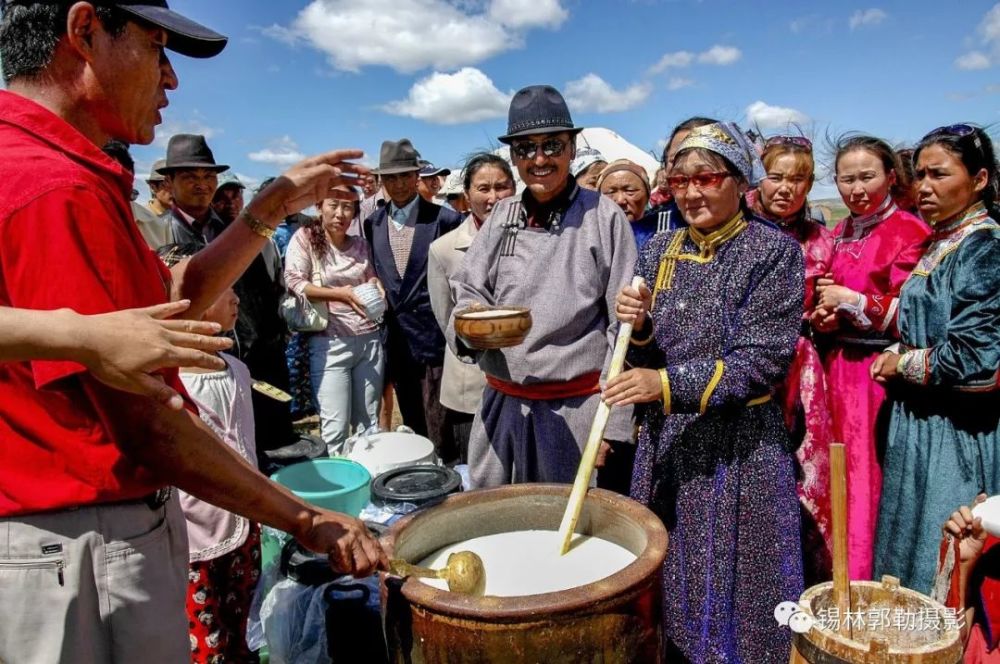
[[464, 572]]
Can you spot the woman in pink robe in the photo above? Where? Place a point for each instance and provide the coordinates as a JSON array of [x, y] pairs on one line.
[[781, 199], [875, 250]]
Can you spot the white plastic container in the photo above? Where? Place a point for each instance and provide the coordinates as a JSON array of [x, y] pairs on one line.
[[388, 450], [372, 300]]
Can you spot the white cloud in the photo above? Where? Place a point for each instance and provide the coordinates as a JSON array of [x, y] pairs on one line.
[[720, 55], [528, 13], [468, 95], [799, 24], [410, 35], [867, 17], [592, 93], [678, 82], [989, 31], [765, 116], [990, 27], [717, 55], [678, 59], [282, 152], [171, 127], [973, 60]]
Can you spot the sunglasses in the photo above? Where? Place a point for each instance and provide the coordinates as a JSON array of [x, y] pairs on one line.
[[800, 141], [552, 147], [680, 183], [960, 130]]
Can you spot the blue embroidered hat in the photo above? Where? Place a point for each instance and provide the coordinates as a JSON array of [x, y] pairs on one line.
[[728, 140]]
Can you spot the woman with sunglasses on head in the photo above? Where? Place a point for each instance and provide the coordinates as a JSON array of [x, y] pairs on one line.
[[714, 335], [943, 444], [781, 199], [874, 252]]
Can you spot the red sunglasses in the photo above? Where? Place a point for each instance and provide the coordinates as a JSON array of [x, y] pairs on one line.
[[680, 183]]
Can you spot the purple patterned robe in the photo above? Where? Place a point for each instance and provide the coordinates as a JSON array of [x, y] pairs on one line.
[[718, 469]]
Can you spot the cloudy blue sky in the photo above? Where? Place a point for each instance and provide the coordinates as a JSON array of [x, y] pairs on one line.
[[302, 76]]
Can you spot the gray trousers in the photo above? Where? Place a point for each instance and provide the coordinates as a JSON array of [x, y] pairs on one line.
[[346, 375], [101, 584], [524, 440]]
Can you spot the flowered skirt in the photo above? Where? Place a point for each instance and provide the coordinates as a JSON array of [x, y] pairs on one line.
[[218, 603]]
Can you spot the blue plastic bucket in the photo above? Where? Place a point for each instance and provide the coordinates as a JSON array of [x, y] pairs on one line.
[[341, 485]]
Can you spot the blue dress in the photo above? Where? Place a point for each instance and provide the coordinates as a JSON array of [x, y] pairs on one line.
[[714, 459], [944, 430]]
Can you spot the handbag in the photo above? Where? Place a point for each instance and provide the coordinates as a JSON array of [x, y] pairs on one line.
[[302, 314]]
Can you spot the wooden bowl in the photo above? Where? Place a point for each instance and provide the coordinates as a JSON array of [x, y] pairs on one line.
[[486, 328]]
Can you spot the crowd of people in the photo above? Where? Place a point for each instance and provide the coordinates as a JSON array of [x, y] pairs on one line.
[[760, 337]]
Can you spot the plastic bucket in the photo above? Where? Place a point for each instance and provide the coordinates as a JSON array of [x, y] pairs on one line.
[[340, 485]]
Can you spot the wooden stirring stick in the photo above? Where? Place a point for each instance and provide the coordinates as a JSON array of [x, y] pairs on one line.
[[838, 501], [589, 458]]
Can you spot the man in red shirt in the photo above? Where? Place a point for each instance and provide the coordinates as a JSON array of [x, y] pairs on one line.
[[93, 552]]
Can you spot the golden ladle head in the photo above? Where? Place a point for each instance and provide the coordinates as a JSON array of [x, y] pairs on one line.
[[464, 572]]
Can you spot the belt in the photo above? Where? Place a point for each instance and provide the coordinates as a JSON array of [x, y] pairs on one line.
[[868, 342], [581, 386], [153, 501]]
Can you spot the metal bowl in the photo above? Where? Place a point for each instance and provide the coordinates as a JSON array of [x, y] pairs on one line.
[[503, 329]]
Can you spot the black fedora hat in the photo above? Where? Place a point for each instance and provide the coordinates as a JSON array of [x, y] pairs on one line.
[[183, 35], [189, 151], [397, 157], [538, 109]]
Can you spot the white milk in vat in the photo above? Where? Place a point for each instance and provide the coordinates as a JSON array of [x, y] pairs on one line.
[[527, 562]]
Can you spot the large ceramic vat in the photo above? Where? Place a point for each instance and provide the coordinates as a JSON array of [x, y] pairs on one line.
[[615, 620]]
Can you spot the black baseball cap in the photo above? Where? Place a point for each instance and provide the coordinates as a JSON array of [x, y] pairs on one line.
[[183, 35]]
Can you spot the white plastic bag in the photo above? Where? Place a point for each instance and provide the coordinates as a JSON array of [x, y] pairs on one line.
[[294, 623]]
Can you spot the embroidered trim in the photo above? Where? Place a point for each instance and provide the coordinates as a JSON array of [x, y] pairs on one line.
[[860, 226], [948, 237], [707, 246], [720, 366], [668, 264], [708, 243], [856, 312], [914, 366], [759, 401], [665, 387]]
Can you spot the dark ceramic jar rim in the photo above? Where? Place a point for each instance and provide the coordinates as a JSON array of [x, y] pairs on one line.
[[635, 578]]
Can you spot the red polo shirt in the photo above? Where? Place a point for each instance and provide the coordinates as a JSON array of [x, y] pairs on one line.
[[67, 239]]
